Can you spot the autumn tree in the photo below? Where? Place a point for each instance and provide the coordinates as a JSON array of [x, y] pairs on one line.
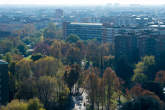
[[91, 88], [27, 89], [94, 53], [28, 30], [47, 66], [35, 104], [42, 48], [32, 104], [15, 105], [72, 76], [23, 69], [52, 92], [47, 88], [111, 82], [160, 77], [143, 103], [56, 49], [50, 31], [139, 78], [74, 56]]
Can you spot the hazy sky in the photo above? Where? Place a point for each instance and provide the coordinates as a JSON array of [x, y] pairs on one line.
[[81, 2]]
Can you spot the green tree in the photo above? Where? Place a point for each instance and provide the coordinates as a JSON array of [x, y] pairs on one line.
[[22, 48], [71, 77], [145, 68], [91, 87], [50, 31], [36, 56], [139, 78], [47, 66], [143, 103], [47, 87], [74, 55], [8, 57], [15, 105], [23, 69], [34, 104], [27, 89], [72, 38], [111, 84]]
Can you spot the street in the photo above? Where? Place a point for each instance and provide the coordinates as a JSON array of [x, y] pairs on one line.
[[80, 101]]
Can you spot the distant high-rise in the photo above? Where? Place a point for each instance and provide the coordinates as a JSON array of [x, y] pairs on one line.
[[4, 83], [59, 13], [84, 30], [146, 45], [126, 47]]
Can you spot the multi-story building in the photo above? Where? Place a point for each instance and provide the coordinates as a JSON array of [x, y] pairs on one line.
[[109, 34], [84, 30], [146, 45], [4, 83], [160, 45], [126, 47], [59, 13]]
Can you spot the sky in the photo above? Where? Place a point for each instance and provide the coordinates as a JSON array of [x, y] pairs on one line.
[[82, 2]]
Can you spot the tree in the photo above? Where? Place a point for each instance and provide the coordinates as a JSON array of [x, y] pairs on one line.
[[23, 69], [56, 49], [123, 69], [47, 87], [8, 57], [50, 31], [42, 48], [6, 46], [28, 30], [139, 78], [92, 87], [137, 91], [15, 105], [143, 103], [47, 66], [111, 82], [72, 76], [72, 38], [22, 48], [160, 77], [27, 89], [52, 92], [36, 56], [156, 88], [32, 104], [74, 56], [146, 68], [94, 53]]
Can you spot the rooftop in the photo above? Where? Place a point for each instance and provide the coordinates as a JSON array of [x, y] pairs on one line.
[[97, 24], [3, 62], [157, 26]]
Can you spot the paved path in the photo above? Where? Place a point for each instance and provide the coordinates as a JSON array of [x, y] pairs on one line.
[[80, 101]]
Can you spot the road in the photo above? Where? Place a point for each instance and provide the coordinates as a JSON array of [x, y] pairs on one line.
[[80, 101]]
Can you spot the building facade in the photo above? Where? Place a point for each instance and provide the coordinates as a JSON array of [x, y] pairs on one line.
[[84, 30], [146, 45], [126, 47], [59, 13], [4, 83]]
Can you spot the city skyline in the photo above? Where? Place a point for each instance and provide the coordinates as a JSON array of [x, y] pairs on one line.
[[84, 2]]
